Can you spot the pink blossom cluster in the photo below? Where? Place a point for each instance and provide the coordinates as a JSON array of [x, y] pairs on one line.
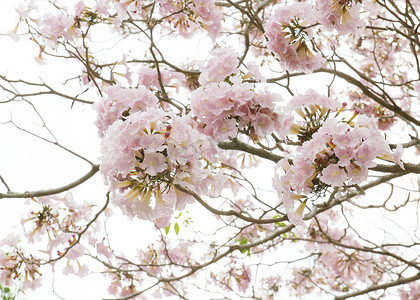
[[234, 274], [386, 118], [52, 27], [197, 13], [289, 36], [222, 63], [411, 292], [224, 108], [55, 216], [337, 268], [333, 153], [145, 155], [59, 218], [210, 15], [334, 266], [344, 16], [14, 265], [162, 259], [151, 79], [119, 102]]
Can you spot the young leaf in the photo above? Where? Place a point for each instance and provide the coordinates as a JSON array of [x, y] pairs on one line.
[[167, 228], [176, 227]]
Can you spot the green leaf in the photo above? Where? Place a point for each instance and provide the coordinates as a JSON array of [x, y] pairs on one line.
[[176, 227], [242, 241], [281, 224], [167, 228]]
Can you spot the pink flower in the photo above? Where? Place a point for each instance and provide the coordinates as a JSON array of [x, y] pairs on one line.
[[254, 71], [150, 78], [154, 163], [410, 292], [222, 64], [75, 252], [263, 125], [223, 108], [24, 9], [210, 14], [311, 97], [153, 142], [356, 173], [367, 152], [340, 15], [120, 102], [53, 27], [344, 155], [288, 38], [333, 175], [79, 7], [221, 129], [102, 6]]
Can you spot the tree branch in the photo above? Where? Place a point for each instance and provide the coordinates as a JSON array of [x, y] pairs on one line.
[[380, 287], [30, 194]]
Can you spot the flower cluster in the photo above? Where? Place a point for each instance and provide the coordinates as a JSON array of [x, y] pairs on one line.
[[59, 219], [119, 102], [188, 16], [224, 108], [410, 292], [54, 27], [340, 15], [210, 16], [145, 155], [14, 265], [341, 267], [234, 272], [333, 152], [222, 64], [151, 79], [289, 36]]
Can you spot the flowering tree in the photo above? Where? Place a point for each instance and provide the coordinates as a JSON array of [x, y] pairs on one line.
[[277, 159]]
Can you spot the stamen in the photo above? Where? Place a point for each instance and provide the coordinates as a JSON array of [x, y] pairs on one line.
[[341, 109], [355, 114]]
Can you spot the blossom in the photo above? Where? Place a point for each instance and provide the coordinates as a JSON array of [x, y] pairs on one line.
[[412, 291], [52, 27], [332, 152], [79, 7], [147, 153], [151, 78], [289, 37], [340, 15], [119, 102], [223, 109], [211, 15], [311, 99], [222, 64], [333, 175], [102, 6], [153, 163], [24, 9], [254, 72]]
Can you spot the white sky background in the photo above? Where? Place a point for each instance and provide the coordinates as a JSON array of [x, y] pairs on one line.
[[27, 163]]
